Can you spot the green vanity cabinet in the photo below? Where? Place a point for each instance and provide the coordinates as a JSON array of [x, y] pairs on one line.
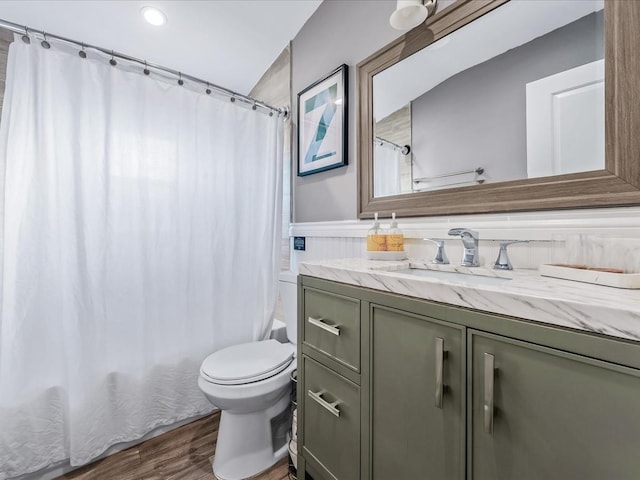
[[417, 396], [400, 388], [541, 413]]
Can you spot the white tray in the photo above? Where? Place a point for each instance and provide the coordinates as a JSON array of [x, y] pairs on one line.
[[608, 279], [387, 255]]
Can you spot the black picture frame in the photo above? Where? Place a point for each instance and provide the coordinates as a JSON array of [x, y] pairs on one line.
[[322, 123]]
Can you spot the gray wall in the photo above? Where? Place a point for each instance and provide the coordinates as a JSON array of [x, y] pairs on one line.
[[477, 117], [340, 31]]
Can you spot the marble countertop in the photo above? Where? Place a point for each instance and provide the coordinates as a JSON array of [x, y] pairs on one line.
[[527, 294]]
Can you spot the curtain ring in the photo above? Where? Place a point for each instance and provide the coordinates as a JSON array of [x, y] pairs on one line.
[[180, 81], [233, 99], [82, 53], [254, 106], [146, 70], [113, 60], [25, 38], [44, 42], [208, 90]]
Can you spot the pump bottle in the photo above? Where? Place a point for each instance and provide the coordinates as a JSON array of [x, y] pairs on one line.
[[395, 237], [376, 240]]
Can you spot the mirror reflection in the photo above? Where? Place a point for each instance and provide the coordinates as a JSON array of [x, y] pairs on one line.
[[516, 94]]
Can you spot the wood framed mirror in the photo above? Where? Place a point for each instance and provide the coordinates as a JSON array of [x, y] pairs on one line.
[[617, 184]]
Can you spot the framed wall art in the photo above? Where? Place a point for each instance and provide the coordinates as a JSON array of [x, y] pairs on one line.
[[322, 124]]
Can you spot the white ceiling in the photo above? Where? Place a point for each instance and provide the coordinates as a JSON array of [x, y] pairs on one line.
[[228, 42]]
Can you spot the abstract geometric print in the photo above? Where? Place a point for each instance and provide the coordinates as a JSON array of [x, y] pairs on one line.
[[319, 111], [322, 125]]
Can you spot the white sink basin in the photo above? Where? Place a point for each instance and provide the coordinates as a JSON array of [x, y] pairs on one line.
[[474, 278]]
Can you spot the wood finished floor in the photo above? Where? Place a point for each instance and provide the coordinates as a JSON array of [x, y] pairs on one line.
[[181, 454]]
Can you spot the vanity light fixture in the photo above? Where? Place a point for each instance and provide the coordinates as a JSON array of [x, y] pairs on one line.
[[411, 13], [154, 16]]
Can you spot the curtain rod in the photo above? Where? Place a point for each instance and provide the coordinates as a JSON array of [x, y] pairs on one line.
[[404, 149], [25, 31]]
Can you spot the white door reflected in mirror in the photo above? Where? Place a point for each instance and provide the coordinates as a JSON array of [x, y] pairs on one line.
[[565, 122]]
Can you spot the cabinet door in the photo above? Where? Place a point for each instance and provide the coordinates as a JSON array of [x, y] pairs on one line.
[[414, 433], [539, 413], [331, 437]]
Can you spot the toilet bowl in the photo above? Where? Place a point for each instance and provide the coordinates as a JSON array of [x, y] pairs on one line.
[[250, 383]]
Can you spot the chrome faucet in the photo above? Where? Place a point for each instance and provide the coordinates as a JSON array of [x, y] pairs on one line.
[[440, 258], [470, 256]]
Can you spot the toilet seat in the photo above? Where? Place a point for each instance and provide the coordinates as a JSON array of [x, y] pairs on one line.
[[247, 362]]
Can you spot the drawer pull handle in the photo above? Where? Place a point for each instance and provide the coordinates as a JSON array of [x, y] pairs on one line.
[[318, 322], [441, 355], [489, 375], [332, 407]]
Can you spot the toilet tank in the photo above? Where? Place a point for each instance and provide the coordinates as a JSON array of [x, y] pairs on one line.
[[289, 296]]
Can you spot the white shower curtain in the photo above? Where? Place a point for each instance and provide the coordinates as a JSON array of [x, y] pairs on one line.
[[140, 232], [386, 170]]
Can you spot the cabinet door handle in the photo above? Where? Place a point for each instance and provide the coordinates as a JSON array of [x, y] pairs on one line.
[[441, 355], [332, 407], [489, 373], [318, 322]]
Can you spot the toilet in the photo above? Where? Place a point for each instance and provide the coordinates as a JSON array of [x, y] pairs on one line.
[[250, 383]]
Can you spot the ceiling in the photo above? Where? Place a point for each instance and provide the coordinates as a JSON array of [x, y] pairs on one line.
[[230, 43]]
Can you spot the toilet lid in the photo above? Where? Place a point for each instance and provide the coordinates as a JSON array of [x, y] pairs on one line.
[[247, 362]]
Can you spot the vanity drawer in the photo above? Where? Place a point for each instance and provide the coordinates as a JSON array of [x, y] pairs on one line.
[[331, 324], [331, 421]]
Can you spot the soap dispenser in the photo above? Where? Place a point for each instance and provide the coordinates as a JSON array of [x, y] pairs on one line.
[[376, 240], [395, 237]]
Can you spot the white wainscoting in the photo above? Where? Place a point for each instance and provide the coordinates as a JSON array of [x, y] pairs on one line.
[[545, 231]]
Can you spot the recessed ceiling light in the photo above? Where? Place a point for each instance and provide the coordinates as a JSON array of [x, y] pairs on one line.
[[154, 16]]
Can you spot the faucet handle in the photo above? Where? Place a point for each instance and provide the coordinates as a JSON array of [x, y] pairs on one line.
[[440, 257], [503, 262]]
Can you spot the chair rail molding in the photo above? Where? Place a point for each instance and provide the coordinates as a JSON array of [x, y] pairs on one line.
[[551, 225]]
